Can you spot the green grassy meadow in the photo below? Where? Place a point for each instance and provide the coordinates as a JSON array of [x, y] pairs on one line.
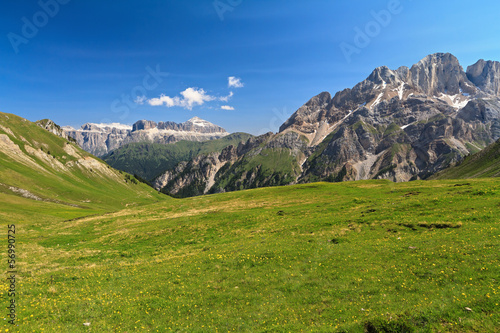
[[368, 256]]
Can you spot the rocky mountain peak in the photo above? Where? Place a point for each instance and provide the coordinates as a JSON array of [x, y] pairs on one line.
[[321, 99], [383, 75], [437, 78], [52, 127], [403, 72], [311, 112], [90, 127], [197, 124], [201, 124], [144, 125], [440, 73], [486, 76]]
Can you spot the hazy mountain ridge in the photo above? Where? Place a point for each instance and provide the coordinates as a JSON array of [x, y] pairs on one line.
[[399, 124], [101, 139]]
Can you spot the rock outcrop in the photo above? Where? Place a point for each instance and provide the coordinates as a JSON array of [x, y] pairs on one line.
[[486, 76], [53, 128]]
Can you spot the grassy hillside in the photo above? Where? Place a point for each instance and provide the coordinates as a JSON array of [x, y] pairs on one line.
[[369, 256], [149, 160], [43, 174], [485, 163]]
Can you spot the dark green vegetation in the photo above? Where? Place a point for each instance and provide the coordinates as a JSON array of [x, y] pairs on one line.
[[149, 160], [267, 160], [368, 256], [268, 167], [485, 163], [43, 174]]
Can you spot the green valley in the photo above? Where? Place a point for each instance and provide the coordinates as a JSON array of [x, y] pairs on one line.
[[250, 167], [148, 160]]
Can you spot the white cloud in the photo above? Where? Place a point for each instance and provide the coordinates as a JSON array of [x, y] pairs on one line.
[[140, 99], [168, 101], [234, 82], [190, 98], [226, 98], [194, 96]]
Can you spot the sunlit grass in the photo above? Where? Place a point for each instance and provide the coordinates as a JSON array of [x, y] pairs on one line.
[[353, 257]]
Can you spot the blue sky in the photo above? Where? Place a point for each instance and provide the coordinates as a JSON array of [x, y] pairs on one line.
[[81, 60]]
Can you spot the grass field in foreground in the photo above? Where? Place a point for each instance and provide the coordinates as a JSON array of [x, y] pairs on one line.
[[368, 256]]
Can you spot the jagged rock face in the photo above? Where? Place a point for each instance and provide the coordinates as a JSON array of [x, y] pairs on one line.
[[310, 113], [189, 178], [436, 78], [144, 125], [440, 73], [194, 124], [486, 76], [99, 139], [402, 125]]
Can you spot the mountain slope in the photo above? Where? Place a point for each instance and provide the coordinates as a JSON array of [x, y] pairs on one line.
[[148, 160], [40, 171], [267, 160], [485, 163], [101, 139]]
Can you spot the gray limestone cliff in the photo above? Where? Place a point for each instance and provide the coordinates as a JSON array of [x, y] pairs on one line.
[[101, 139]]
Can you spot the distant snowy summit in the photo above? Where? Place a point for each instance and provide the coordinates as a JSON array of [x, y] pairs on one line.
[[92, 127], [101, 139]]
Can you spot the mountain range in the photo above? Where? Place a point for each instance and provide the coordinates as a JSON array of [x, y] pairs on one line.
[[402, 125], [95, 249], [101, 139]]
